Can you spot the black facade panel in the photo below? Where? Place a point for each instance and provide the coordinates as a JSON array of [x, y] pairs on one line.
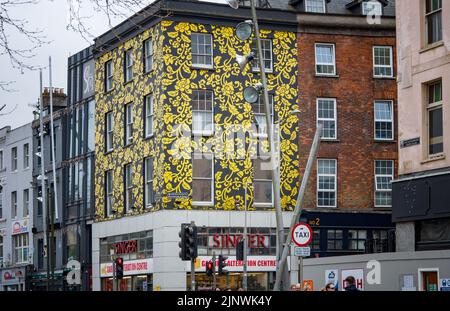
[[420, 199]]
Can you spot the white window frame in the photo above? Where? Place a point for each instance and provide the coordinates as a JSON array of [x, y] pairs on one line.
[[316, 45], [109, 75], [26, 156], [109, 197], [381, 176], [255, 180], [148, 180], [129, 122], [204, 65], [391, 102], [203, 132], [14, 204], [148, 57], [263, 114], [430, 107], [255, 62], [129, 65], [335, 190], [426, 15], [128, 186], [327, 119], [14, 159], [209, 157], [323, 6], [109, 118], [20, 247], [378, 8], [149, 116], [391, 60], [26, 202]]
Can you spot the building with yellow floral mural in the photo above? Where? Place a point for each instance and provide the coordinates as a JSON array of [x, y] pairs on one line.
[[176, 142]]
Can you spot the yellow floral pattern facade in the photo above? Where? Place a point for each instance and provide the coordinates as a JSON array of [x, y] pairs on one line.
[[171, 83]]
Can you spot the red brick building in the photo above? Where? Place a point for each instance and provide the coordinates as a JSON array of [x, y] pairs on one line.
[[347, 75]]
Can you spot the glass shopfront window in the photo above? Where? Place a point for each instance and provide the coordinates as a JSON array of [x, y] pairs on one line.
[[121, 243], [256, 281], [130, 283]]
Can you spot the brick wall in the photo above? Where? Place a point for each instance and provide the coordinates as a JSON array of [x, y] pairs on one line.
[[355, 91]]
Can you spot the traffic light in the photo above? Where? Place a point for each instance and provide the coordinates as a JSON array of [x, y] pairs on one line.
[[240, 250], [119, 268], [188, 243], [210, 268], [222, 264]]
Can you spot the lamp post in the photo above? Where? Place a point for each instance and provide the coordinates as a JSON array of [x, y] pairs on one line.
[[244, 31]]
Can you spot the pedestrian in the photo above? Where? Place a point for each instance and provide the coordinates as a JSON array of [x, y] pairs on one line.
[[350, 284], [329, 288]]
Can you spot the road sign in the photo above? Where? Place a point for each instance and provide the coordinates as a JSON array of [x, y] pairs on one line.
[[302, 251], [302, 234]]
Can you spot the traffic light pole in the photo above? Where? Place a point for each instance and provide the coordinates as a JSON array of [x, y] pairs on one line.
[[244, 281], [214, 270], [114, 276], [193, 274]]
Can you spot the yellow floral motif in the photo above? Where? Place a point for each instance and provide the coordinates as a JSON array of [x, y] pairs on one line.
[[171, 84]]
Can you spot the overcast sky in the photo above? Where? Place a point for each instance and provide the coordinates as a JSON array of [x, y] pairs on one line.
[[50, 17]]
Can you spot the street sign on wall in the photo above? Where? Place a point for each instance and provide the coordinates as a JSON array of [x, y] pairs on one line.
[[302, 234], [302, 251]]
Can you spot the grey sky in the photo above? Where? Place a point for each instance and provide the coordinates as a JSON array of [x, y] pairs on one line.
[[51, 17]]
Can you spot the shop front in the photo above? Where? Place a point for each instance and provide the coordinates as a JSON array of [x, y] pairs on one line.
[[13, 279], [136, 250]]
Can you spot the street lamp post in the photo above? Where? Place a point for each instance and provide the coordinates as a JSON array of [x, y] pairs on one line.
[[274, 165]]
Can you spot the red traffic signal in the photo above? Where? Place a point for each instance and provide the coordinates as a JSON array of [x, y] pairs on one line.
[[119, 268], [209, 268]]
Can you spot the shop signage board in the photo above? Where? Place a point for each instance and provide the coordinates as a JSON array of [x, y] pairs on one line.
[[20, 226], [332, 276], [302, 251], [12, 276], [130, 267], [254, 264], [358, 274], [445, 285], [302, 234]]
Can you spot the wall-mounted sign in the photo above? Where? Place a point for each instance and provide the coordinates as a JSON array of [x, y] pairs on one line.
[[13, 275], [410, 142], [254, 264], [131, 267], [126, 247], [88, 79], [20, 226], [358, 274], [332, 276], [231, 240]]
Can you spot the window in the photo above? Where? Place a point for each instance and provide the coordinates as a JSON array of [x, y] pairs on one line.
[[202, 50], [109, 192], [435, 121], [326, 183], [384, 120], [315, 6], [148, 55], [26, 202], [1, 202], [144, 246], [384, 174], [262, 182], [1, 160], [1, 250], [149, 115], [14, 159], [266, 46], [128, 66], [334, 239], [433, 21], [382, 62], [109, 131], [109, 71], [128, 124], [71, 244], [149, 195], [315, 244], [40, 253], [325, 59], [202, 112], [202, 183], [21, 248], [380, 241], [326, 115], [372, 8], [38, 158], [13, 204], [128, 188], [91, 126], [26, 156], [39, 201], [259, 111], [357, 240]]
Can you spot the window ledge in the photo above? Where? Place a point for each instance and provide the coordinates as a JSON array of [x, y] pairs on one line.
[[108, 152], [329, 140], [384, 78], [327, 76], [107, 92], [382, 141], [437, 157], [149, 137], [432, 46], [202, 67], [203, 204], [128, 82], [149, 71]]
